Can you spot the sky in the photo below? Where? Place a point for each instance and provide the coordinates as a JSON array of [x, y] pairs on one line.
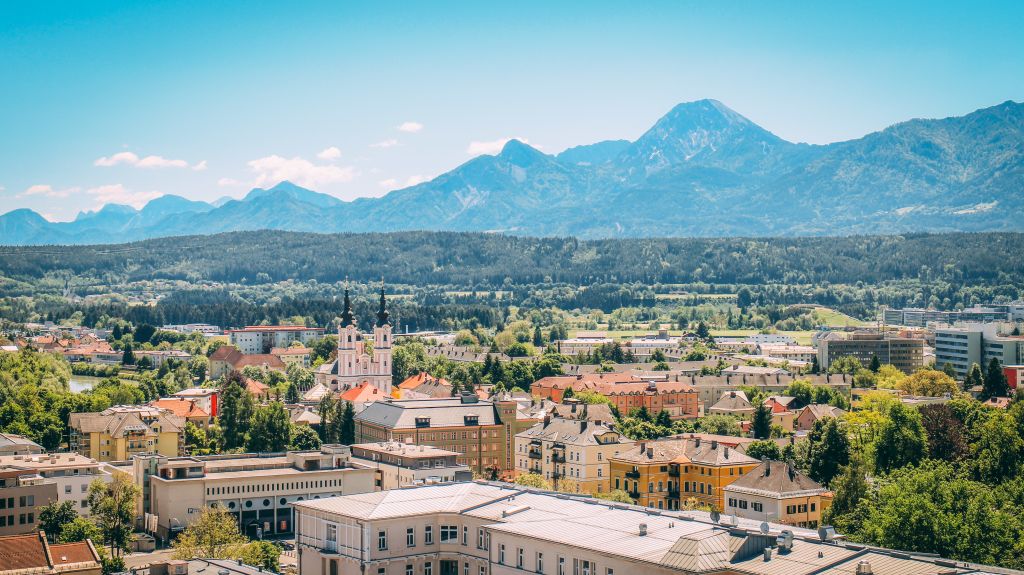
[[125, 101]]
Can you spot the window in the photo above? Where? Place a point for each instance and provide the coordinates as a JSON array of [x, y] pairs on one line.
[[480, 542], [428, 535], [449, 533], [465, 568], [465, 535], [609, 571], [410, 536], [428, 568], [561, 566], [757, 506], [650, 487], [586, 567], [382, 540], [519, 558], [743, 503], [408, 569], [501, 554], [540, 562], [382, 571], [812, 506], [331, 537]]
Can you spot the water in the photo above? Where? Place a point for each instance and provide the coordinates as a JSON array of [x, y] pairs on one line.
[[80, 383]]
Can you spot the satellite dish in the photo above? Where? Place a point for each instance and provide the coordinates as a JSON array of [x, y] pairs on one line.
[[715, 516], [764, 527]]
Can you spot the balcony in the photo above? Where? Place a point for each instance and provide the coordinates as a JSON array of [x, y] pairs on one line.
[[633, 474], [673, 471], [535, 454], [634, 495], [558, 458], [673, 492]]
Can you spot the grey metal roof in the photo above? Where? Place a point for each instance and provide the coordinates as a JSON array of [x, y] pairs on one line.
[[402, 414]]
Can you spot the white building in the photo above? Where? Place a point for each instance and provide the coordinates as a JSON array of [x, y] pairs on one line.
[[405, 465], [259, 339], [72, 473], [355, 364]]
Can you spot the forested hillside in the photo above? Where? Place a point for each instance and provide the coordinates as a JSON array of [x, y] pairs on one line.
[[491, 260]]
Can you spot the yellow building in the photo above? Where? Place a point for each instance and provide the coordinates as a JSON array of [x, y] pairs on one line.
[[119, 432], [774, 491], [573, 450], [663, 474]]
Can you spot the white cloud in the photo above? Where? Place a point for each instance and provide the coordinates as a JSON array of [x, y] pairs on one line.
[[331, 153], [388, 184], [118, 158], [273, 169], [200, 167], [132, 159], [228, 182], [48, 191], [410, 127], [492, 147], [385, 144], [413, 180], [118, 194]]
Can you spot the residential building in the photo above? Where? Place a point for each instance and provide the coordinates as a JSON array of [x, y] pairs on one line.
[[258, 489], [185, 409], [906, 354], [117, 433], [423, 386], [204, 397], [358, 362], [11, 444], [679, 399], [203, 328], [158, 357], [812, 413], [69, 473], [23, 492], [362, 394], [788, 352], [757, 339], [554, 387], [663, 473], [402, 465], [743, 370], [964, 345], [293, 355], [642, 347], [490, 529], [711, 388], [228, 358], [733, 403], [32, 554], [482, 432], [1014, 377], [201, 566], [774, 491], [260, 339], [570, 451]]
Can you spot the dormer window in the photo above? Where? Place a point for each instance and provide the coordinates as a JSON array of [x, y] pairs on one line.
[[422, 422], [472, 420]]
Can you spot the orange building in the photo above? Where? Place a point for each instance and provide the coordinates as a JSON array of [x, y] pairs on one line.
[[626, 392]]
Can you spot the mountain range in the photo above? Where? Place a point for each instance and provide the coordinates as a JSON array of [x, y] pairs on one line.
[[701, 170]]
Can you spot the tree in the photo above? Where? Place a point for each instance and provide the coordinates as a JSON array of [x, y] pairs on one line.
[[702, 332], [764, 449], [929, 383], [849, 487], [568, 393], [304, 438], [347, 435], [973, 378], [994, 383], [663, 419], [845, 364], [815, 367], [128, 356], [761, 426], [235, 410], [291, 395], [720, 425], [875, 364], [264, 554], [538, 337], [945, 432], [214, 535], [79, 529], [948, 369], [534, 480], [616, 495], [270, 429], [112, 506], [829, 450], [999, 450], [195, 439], [55, 516], [902, 440]]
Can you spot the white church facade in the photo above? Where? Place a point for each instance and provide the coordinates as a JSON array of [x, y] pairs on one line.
[[360, 360]]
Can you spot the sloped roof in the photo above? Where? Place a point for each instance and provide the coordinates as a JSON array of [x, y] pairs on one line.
[[414, 381], [402, 414], [775, 479], [316, 393], [733, 401], [22, 552], [683, 451], [820, 410], [363, 393], [570, 431], [180, 406]]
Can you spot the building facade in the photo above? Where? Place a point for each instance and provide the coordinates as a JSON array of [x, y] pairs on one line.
[[260, 339], [70, 473], [259, 490], [570, 451], [357, 361], [119, 432], [774, 491], [906, 354], [963, 346], [400, 465]]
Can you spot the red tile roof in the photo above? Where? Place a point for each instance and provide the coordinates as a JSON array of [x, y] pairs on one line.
[[255, 387], [66, 553], [180, 406], [414, 381], [363, 393], [22, 552]]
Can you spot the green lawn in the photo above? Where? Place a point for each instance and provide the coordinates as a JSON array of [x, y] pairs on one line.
[[833, 318]]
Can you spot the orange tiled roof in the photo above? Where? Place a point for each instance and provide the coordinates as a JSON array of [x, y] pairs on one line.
[[255, 387], [414, 381], [180, 406], [363, 393], [22, 552]]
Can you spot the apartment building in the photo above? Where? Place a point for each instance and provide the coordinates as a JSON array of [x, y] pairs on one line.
[[70, 473], [400, 465], [775, 491], [661, 474], [906, 354], [204, 397], [117, 433], [584, 343], [965, 345], [490, 529], [228, 358], [482, 432], [577, 450], [787, 352], [260, 339], [258, 489], [32, 554], [23, 492]]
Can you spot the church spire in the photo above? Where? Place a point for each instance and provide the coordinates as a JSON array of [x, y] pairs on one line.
[[382, 312], [347, 318]]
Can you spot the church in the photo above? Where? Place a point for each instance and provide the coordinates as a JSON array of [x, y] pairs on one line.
[[360, 359]]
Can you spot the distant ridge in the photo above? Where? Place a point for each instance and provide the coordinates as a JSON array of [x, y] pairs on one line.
[[700, 170]]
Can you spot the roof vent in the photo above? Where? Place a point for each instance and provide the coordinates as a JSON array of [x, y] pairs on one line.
[[864, 568], [767, 553], [643, 530], [826, 533], [784, 541], [513, 510]]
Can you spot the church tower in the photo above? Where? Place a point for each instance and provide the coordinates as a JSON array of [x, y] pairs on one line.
[[357, 362]]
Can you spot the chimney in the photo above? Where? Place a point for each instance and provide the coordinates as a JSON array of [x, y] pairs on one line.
[[574, 407], [767, 553], [643, 531], [697, 442], [547, 419], [864, 568]]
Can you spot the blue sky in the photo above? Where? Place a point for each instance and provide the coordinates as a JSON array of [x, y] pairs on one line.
[[121, 102]]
